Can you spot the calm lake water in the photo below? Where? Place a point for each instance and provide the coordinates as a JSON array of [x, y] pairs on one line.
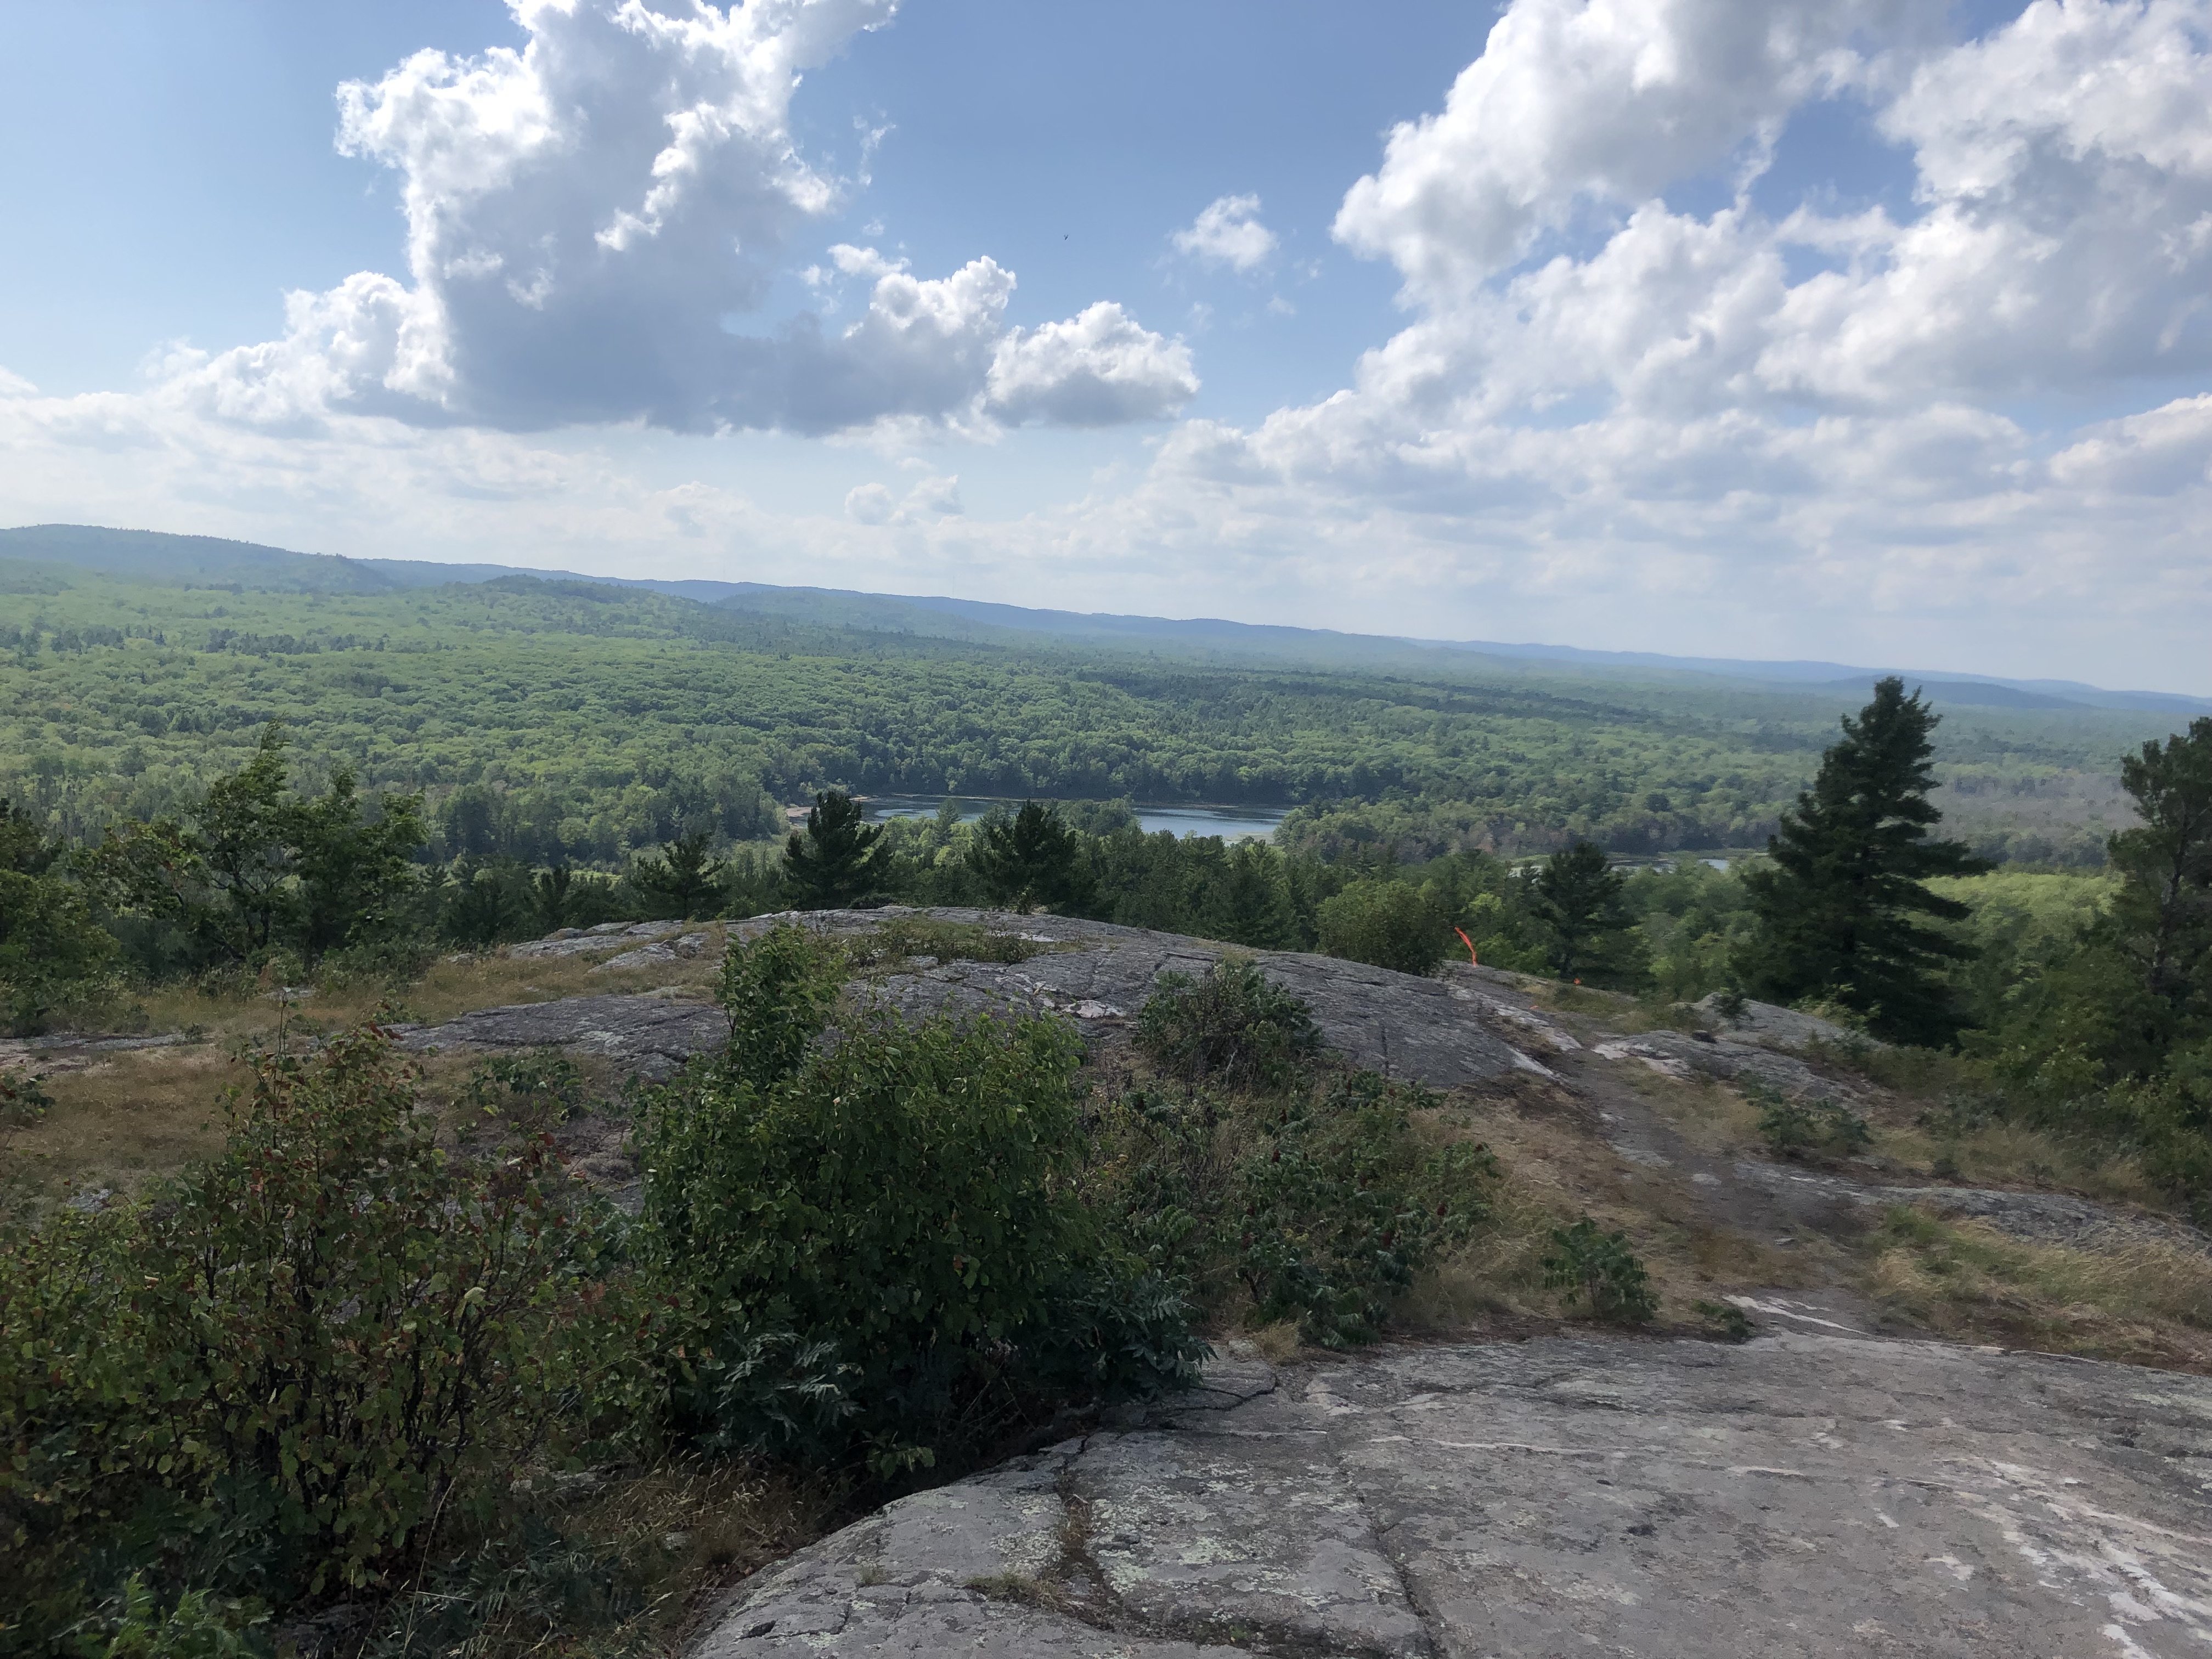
[[1231, 823]]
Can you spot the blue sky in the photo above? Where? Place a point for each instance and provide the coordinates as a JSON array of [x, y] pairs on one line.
[[1851, 330]]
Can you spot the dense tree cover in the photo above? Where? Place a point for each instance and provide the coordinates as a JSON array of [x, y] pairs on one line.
[[257, 868], [569, 723], [1843, 907]]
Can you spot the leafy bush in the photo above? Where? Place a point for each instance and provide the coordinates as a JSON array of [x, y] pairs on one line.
[[198, 1626], [23, 1098], [885, 1251], [1729, 1323], [1385, 924], [1799, 1129], [1319, 1208], [1587, 1266], [1235, 1024], [1341, 1206], [535, 1089], [904, 937], [314, 1341]]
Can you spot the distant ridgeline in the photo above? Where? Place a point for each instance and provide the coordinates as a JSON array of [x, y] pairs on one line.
[[554, 716]]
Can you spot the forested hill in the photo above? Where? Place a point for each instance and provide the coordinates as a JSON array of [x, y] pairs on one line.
[[583, 720], [207, 561]]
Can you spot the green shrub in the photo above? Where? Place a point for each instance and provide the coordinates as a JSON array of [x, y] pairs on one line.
[[1320, 1208], [884, 1249], [1801, 1129], [1587, 1266], [23, 1098], [1235, 1024], [535, 1089], [1729, 1323], [197, 1625], [1385, 924], [1341, 1206], [904, 937], [313, 1341]]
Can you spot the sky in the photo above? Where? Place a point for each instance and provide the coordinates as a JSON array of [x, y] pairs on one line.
[[1858, 330]]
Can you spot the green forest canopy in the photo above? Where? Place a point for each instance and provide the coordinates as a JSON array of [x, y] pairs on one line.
[[569, 720]]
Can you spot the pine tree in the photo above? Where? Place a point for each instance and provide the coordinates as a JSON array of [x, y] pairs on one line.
[[684, 883], [832, 865], [1031, 859], [1581, 901], [1842, 910]]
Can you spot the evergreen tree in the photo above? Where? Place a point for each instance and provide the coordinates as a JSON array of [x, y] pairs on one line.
[[684, 883], [354, 872], [832, 864], [1581, 901], [1839, 912], [52, 952], [1248, 904], [551, 903], [1031, 859], [489, 903], [2164, 909]]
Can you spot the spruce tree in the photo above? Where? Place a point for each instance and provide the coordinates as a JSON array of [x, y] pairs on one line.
[[1842, 911], [832, 865]]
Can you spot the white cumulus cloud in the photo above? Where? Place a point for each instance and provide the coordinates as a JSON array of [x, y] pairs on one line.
[[591, 220], [1228, 232], [1095, 369]]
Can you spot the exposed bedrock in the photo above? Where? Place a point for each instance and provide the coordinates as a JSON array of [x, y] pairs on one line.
[[1095, 973], [1799, 1495]]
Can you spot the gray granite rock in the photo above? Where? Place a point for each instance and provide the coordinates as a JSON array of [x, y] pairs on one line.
[[1774, 1027], [1805, 1495], [1093, 973], [660, 953], [1677, 1053], [648, 1037], [1101, 974], [607, 936], [2039, 1217]]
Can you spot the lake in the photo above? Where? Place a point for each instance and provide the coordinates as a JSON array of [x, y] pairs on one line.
[[1230, 823]]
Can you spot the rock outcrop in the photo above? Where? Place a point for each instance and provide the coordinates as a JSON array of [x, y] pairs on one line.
[[648, 1037], [1092, 972], [1802, 1494]]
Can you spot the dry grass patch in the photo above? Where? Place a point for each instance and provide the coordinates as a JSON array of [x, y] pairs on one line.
[[2148, 1304], [1558, 1167], [121, 1120], [447, 989], [117, 1121]]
